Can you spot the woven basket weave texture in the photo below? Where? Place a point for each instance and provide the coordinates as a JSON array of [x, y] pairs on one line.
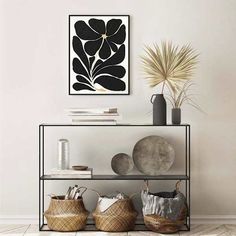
[[66, 215], [119, 217], [163, 225]]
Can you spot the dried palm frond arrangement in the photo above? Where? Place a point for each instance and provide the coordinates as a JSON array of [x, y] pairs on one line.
[[170, 65], [173, 67]]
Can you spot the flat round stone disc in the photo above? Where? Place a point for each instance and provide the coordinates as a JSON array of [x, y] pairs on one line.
[[153, 155]]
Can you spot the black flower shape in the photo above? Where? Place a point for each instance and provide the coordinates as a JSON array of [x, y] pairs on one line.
[[107, 73], [100, 36]]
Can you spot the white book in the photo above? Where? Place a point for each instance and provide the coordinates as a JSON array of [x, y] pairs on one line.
[[93, 114], [79, 122], [92, 110], [70, 176], [89, 171], [96, 118]]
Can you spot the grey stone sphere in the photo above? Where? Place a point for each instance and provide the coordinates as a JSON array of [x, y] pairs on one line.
[[122, 164]]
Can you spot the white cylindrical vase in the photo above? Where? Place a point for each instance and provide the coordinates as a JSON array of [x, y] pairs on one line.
[[63, 154]]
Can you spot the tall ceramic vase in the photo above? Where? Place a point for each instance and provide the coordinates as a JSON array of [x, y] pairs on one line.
[[159, 109], [63, 154]]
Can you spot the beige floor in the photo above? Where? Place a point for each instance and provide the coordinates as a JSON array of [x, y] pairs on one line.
[[197, 230]]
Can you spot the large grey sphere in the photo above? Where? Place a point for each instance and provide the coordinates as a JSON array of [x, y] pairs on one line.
[[153, 155], [122, 164]]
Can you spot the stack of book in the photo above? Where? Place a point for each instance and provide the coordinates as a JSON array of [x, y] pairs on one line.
[[97, 116], [71, 173]]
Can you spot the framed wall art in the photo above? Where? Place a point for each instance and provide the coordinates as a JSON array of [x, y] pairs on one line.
[[99, 55]]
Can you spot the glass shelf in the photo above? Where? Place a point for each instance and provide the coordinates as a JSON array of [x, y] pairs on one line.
[[117, 125], [119, 177]]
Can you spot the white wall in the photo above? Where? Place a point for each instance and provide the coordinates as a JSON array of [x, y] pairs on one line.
[[34, 79]]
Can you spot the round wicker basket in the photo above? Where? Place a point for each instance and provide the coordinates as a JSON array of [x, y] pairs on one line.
[[164, 225], [66, 215], [119, 217]]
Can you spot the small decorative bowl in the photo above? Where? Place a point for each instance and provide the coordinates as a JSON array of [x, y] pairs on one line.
[[79, 167]]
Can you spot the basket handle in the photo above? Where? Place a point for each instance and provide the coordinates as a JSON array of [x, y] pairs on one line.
[[177, 185], [84, 189], [93, 190], [132, 195], [145, 187], [53, 195]]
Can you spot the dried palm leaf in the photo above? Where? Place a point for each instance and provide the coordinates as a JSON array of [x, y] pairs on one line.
[[169, 65]]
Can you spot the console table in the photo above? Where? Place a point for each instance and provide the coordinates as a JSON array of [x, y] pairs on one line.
[[90, 224]]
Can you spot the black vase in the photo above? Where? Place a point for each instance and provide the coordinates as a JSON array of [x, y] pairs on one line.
[[159, 109], [176, 116]]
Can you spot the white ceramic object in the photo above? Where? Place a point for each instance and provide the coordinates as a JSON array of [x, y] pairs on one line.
[[63, 154]]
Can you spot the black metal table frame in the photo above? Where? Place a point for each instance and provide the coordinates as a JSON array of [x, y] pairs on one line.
[[43, 177]]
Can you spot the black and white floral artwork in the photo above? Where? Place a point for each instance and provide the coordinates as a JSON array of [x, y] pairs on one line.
[[98, 55]]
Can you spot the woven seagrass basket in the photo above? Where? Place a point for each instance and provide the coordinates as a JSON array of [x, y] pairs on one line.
[[164, 225], [66, 215], [119, 217]]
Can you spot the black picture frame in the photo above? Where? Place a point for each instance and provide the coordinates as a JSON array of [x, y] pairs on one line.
[[127, 92]]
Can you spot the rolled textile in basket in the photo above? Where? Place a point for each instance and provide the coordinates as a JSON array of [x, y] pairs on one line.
[[167, 205], [104, 202]]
